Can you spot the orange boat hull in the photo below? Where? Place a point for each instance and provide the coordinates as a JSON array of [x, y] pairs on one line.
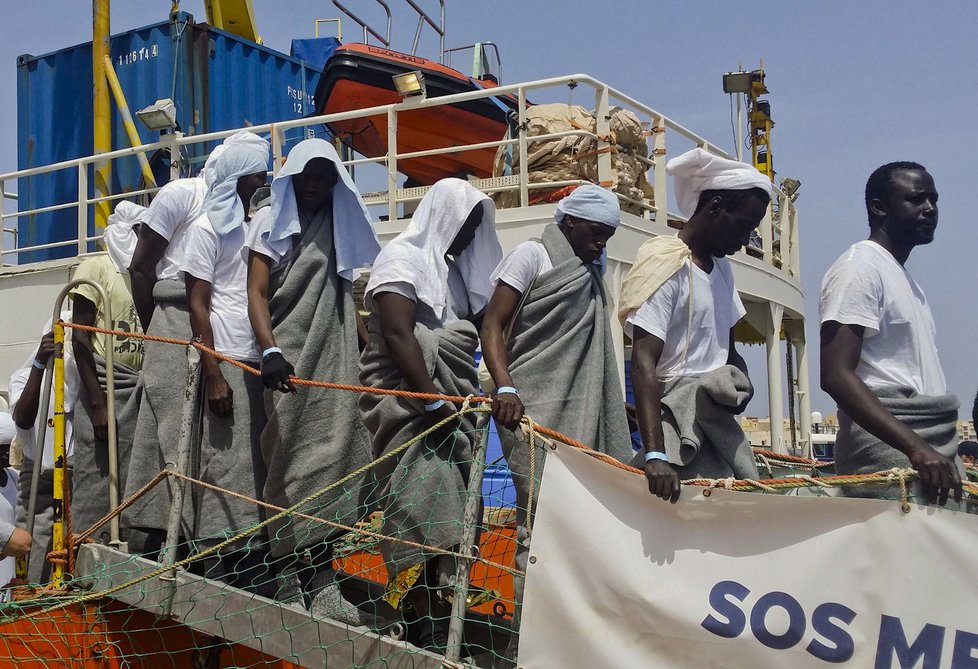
[[359, 77]]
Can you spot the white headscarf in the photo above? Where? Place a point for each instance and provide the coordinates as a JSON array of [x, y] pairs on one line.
[[222, 205], [7, 429], [590, 203], [699, 170], [354, 240], [120, 235], [417, 255], [241, 137]]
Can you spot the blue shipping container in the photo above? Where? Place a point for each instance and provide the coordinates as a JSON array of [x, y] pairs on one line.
[[217, 81]]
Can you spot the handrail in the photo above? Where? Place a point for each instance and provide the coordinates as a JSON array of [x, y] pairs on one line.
[[386, 41], [482, 45], [440, 29], [605, 96]]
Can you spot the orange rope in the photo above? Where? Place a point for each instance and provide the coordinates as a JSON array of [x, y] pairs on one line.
[[299, 382]]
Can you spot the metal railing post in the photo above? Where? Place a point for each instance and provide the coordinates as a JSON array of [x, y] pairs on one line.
[[468, 545], [168, 555], [82, 208], [660, 188], [602, 120], [795, 249], [521, 134], [276, 150], [392, 165]]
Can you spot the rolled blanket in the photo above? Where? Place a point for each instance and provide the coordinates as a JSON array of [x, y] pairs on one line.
[[933, 418], [39, 570], [90, 460], [158, 426], [423, 490], [703, 438]]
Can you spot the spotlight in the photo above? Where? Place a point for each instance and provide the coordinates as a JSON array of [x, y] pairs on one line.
[[161, 115], [410, 84]]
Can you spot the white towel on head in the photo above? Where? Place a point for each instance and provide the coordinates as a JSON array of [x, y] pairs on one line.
[[354, 239], [7, 429], [120, 234], [245, 137], [222, 205], [417, 255], [698, 170], [592, 203]]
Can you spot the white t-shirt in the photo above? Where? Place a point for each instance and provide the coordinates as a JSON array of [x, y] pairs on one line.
[[18, 380], [8, 514], [521, 267], [170, 214], [866, 286], [458, 299], [255, 239], [716, 307], [218, 260]]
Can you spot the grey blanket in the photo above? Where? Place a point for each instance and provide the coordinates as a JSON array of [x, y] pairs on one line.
[[90, 459], [933, 418], [157, 437], [314, 438], [702, 436], [39, 570], [562, 359], [423, 490], [230, 457]]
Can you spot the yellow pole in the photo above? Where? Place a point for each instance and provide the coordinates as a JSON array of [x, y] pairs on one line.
[[120, 102], [101, 109], [60, 454]]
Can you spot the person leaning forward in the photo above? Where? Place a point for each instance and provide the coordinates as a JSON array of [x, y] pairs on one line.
[[427, 293], [680, 305], [879, 357]]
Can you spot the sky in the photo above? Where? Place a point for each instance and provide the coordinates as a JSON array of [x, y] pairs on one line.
[[853, 85]]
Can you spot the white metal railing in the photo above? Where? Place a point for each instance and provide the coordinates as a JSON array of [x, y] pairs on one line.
[[780, 237]]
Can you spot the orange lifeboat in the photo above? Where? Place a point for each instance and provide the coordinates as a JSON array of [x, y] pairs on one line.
[[359, 76]]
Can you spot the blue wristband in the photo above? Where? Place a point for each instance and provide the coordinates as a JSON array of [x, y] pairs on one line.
[[268, 351], [39, 365], [656, 455], [507, 389], [434, 406]]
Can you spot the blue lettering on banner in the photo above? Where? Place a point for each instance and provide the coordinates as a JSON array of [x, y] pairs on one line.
[[893, 642], [828, 621], [831, 641], [735, 618], [822, 622], [796, 620], [965, 655]]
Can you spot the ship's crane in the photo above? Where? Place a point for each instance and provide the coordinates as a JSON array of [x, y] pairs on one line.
[[234, 16]]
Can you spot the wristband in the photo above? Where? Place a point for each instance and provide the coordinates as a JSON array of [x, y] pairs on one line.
[[656, 455], [502, 390], [268, 351], [39, 365], [434, 406]]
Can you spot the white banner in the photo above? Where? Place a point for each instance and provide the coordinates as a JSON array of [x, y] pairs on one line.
[[618, 578]]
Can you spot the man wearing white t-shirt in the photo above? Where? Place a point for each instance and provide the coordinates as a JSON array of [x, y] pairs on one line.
[[679, 305], [879, 349], [161, 302], [216, 278]]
